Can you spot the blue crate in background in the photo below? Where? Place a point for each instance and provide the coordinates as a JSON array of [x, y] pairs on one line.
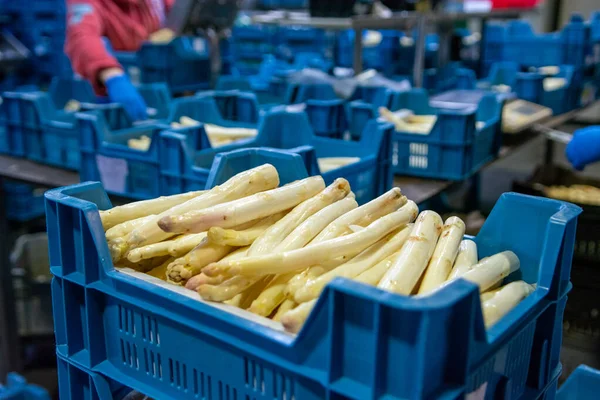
[[382, 54], [515, 41], [410, 348], [283, 4], [186, 154], [296, 39], [248, 46], [183, 64], [534, 86], [461, 141], [17, 388], [406, 56], [23, 202], [106, 156], [582, 384]]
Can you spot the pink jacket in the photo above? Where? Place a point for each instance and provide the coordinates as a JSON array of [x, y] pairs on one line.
[[126, 24]]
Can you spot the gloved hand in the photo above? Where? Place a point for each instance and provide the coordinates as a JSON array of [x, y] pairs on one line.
[[584, 148], [121, 90]]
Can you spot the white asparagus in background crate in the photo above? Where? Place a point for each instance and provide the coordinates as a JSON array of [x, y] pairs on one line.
[[243, 237], [415, 255], [314, 254], [359, 264], [444, 255], [186, 243], [373, 275], [294, 319], [222, 132], [237, 212], [286, 306], [363, 215], [505, 299], [122, 229], [465, 260], [139, 209], [244, 184], [492, 270], [327, 164]]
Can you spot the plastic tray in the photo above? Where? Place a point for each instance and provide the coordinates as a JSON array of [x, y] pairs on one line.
[[17, 388], [183, 64], [383, 57], [583, 383], [23, 202], [515, 41], [454, 149], [168, 344], [587, 244], [186, 156]]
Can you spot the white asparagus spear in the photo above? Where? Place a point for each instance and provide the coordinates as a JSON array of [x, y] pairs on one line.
[[274, 235], [294, 319], [237, 212], [489, 294], [241, 185], [284, 307], [221, 132], [243, 237], [316, 253], [444, 255], [227, 289], [122, 229], [186, 243], [365, 260], [150, 251], [201, 279], [311, 227], [373, 275], [466, 258], [415, 254], [491, 270], [138, 209], [192, 264], [363, 215], [505, 300], [302, 278], [274, 294]]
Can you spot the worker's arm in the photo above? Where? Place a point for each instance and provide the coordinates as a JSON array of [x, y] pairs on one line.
[[584, 148], [90, 58]]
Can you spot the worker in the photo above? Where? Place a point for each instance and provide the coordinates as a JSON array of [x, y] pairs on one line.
[[584, 148], [126, 24]]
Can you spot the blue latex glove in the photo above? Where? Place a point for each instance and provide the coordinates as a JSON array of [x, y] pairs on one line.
[[584, 148], [121, 90]]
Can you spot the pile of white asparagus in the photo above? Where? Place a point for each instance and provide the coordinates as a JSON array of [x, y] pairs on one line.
[[272, 250]]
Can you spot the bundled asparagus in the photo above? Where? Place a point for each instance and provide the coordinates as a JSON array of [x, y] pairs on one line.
[[272, 251]]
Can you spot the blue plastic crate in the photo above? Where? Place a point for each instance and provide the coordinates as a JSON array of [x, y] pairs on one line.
[[130, 331], [183, 64], [530, 86], [23, 202], [383, 56], [296, 39], [17, 388], [283, 4], [186, 155], [515, 41], [248, 46], [455, 148], [583, 383]]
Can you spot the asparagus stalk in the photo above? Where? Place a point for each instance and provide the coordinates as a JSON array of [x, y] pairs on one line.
[[314, 254], [492, 270], [241, 185], [245, 237], [466, 258], [444, 255], [139, 209], [286, 306], [507, 298], [192, 264], [122, 229], [243, 210], [294, 319], [359, 264], [373, 275], [414, 256], [186, 243]]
